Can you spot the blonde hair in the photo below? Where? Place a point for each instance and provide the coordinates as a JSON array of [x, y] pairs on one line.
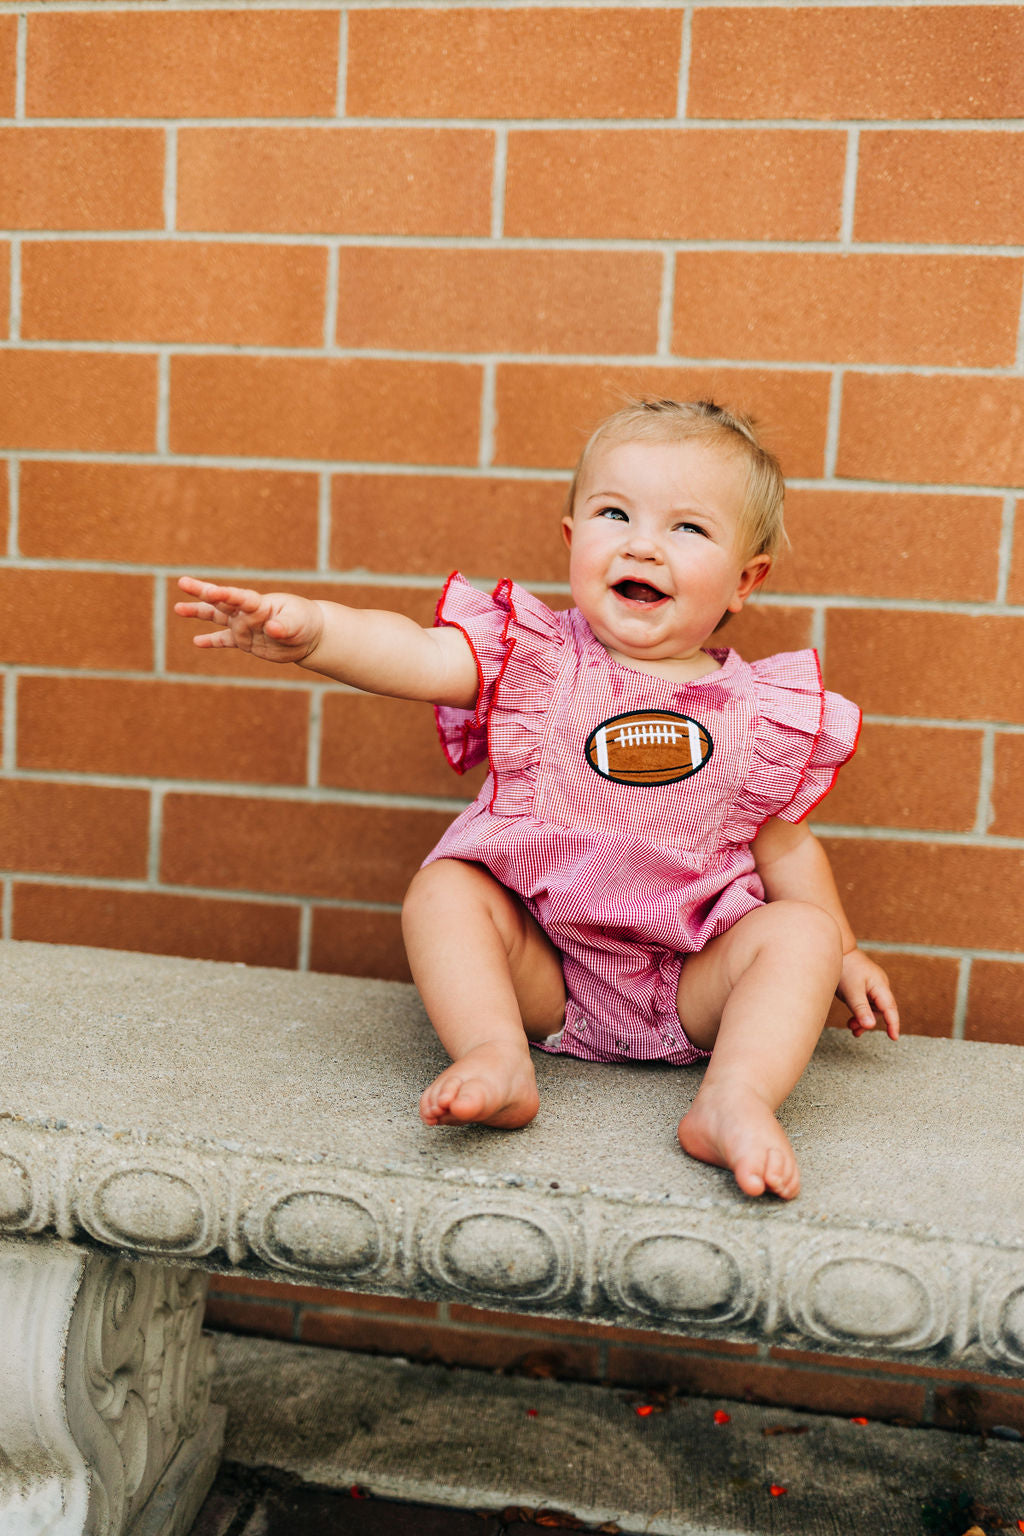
[[680, 421]]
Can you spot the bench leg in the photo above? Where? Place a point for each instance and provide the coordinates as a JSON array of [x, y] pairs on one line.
[[105, 1419]]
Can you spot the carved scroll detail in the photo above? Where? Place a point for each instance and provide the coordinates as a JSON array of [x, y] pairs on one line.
[[110, 1372]]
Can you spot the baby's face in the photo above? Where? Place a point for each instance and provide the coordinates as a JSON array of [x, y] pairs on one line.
[[656, 557]]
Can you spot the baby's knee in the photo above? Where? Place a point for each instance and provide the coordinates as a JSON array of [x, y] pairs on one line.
[[441, 884], [806, 926]]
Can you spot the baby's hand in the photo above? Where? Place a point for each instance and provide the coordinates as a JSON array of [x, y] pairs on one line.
[[864, 986], [276, 627]]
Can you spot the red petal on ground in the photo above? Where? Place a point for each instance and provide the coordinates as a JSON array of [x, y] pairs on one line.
[[720, 1417], [858, 1421], [644, 1410], [776, 1491], [531, 1413]]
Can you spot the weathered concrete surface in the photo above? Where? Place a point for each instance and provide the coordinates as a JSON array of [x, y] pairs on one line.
[[227, 1116], [469, 1439]]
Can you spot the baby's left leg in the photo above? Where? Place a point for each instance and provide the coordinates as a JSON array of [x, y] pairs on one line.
[[756, 997]]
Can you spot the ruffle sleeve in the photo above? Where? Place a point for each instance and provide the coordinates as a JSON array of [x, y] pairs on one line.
[[803, 736], [516, 642]]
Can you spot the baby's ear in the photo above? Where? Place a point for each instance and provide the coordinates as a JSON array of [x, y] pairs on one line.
[[567, 531], [751, 577]]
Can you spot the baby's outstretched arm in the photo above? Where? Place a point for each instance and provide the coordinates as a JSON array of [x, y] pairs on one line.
[[369, 648], [793, 865]]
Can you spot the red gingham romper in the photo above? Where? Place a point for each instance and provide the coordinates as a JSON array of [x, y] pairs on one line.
[[626, 879]]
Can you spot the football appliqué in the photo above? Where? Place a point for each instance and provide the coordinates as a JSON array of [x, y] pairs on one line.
[[648, 746]]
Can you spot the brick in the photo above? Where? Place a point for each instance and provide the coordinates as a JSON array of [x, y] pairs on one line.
[[889, 1367], [389, 746], [908, 776], [843, 61], [965, 188], [780, 1386], [158, 922], [8, 64], [184, 657], [353, 1301], [930, 893], [86, 401], [367, 409], [498, 300], [933, 429], [972, 1410], [238, 1286], [861, 308], [891, 544], [995, 1005], [243, 1285], [5, 504], [517, 1322], [895, 663], [163, 730], [349, 941], [546, 414], [344, 181], [186, 64], [278, 1290], [73, 829], [485, 526], [267, 1320], [1008, 788], [112, 290], [164, 514], [76, 619], [764, 629], [450, 1346], [290, 847], [5, 288], [472, 62], [925, 988], [689, 184], [81, 178], [1015, 587]]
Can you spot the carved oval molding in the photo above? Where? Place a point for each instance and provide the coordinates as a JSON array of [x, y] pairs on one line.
[[316, 1230], [15, 1194], [868, 1300], [328, 1228], [484, 1249], [1001, 1317], [1011, 1323], [839, 1293], [160, 1209], [680, 1274]]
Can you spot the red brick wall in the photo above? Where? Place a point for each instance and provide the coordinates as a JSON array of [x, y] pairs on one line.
[[329, 298]]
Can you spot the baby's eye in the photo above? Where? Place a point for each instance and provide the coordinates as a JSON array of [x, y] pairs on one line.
[[689, 528], [615, 513]]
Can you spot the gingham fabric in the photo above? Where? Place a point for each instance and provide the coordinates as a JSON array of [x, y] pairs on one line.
[[626, 879]]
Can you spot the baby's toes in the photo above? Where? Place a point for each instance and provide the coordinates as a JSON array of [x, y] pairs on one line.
[[749, 1175], [781, 1174]]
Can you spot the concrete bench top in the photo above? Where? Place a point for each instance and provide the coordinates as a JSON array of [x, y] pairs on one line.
[[265, 1121]]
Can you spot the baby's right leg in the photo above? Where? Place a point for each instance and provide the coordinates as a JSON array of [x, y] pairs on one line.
[[491, 981]]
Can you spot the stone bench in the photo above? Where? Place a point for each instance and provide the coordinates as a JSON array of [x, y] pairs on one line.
[[160, 1118]]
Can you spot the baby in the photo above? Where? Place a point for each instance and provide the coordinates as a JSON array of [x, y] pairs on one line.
[[635, 881]]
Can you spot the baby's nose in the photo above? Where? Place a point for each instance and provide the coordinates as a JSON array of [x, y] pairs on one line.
[[642, 546]]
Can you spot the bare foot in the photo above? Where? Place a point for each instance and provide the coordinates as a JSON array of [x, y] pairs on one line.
[[493, 1084], [732, 1127]]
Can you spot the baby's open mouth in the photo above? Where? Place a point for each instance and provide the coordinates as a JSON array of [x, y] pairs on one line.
[[638, 591]]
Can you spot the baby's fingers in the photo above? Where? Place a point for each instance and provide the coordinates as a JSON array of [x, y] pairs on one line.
[[886, 1005], [227, 599], [861, 1018]]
